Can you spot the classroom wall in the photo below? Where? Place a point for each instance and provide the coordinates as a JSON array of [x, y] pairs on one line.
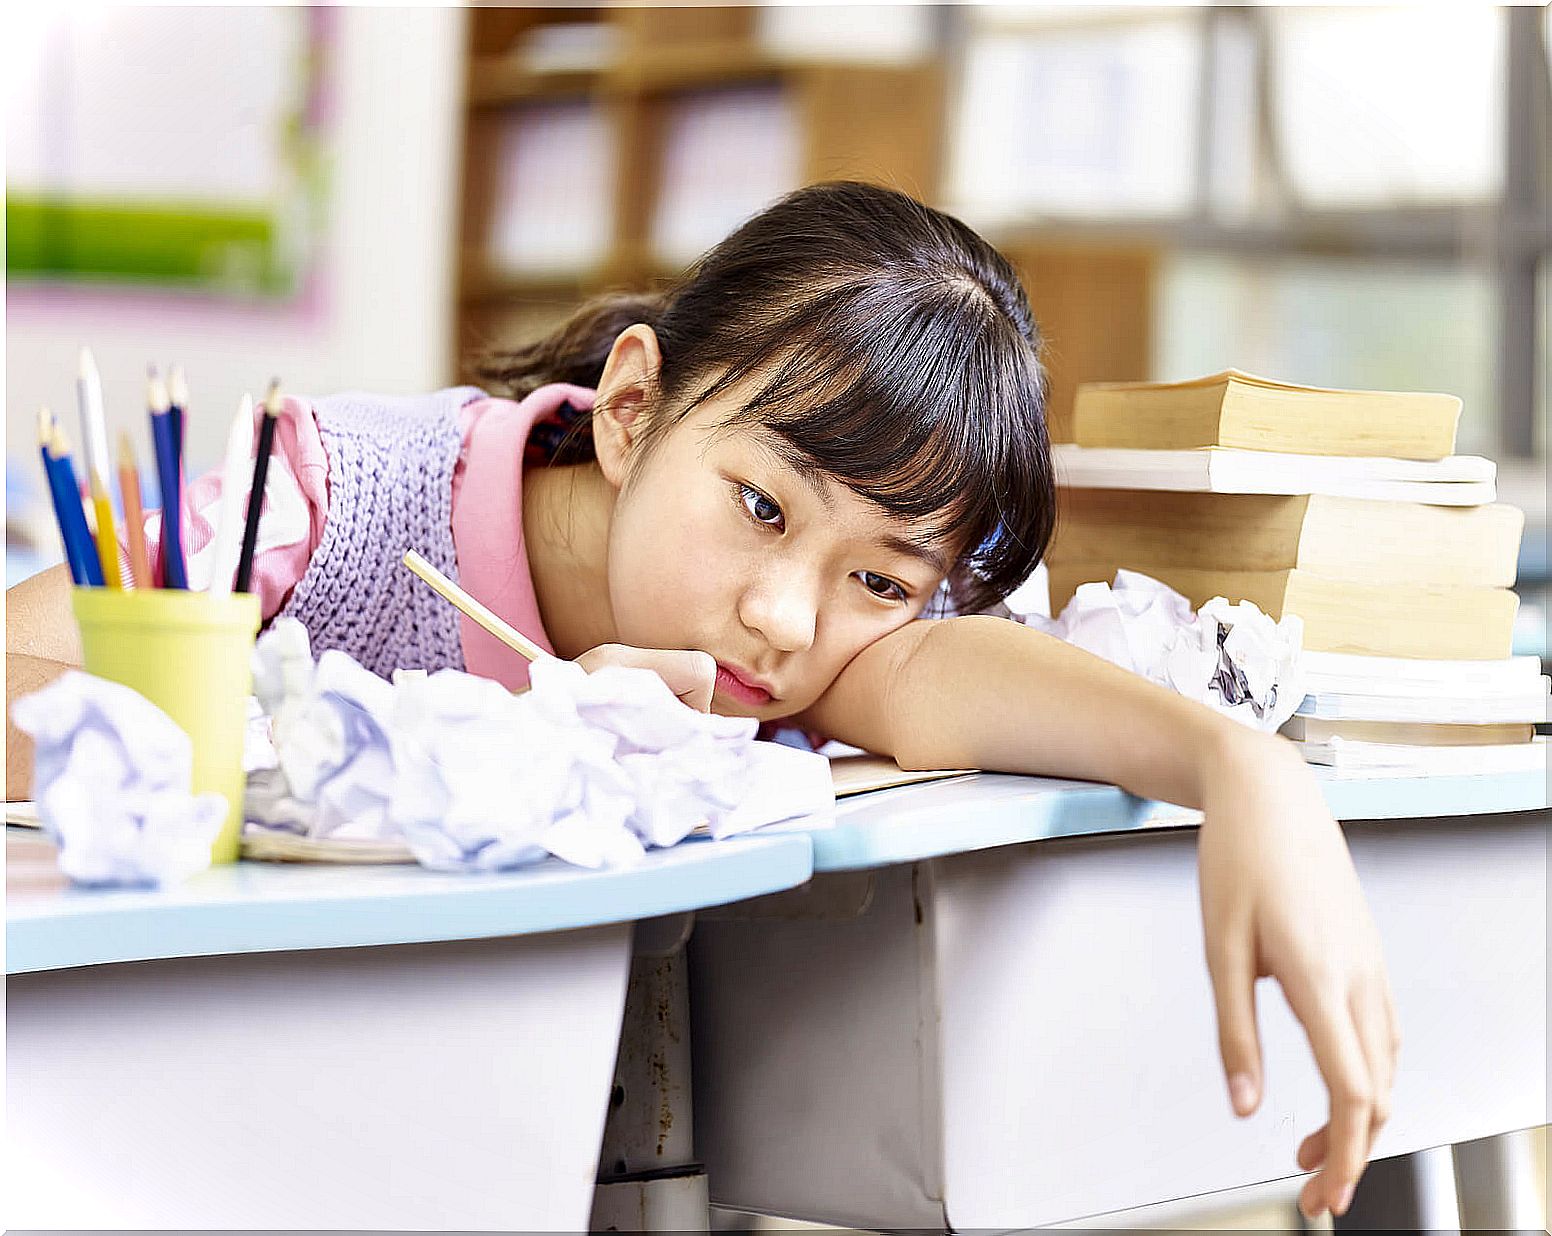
[[380, 317]]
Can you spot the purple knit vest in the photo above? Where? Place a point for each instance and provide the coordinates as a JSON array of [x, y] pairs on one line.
[[391, 461]]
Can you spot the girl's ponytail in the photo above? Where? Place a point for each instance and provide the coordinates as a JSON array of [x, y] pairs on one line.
[[573, 352]]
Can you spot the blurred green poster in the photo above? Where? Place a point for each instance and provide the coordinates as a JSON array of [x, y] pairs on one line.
[[170, 147]]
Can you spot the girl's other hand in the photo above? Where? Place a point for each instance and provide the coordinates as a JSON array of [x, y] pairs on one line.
[[1281, 899], [691, 675]]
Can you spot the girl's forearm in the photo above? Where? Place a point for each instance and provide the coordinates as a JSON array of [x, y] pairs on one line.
[[981, 692]]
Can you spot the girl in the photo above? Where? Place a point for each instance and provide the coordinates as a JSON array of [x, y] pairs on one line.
[[755, 485]]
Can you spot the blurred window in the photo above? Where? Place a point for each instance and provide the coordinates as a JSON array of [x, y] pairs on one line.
[[1251, 143], [1385, 105], [1092, 120], [1334, 322]]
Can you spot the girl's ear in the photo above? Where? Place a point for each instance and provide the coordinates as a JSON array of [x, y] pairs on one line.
[[625, 393]]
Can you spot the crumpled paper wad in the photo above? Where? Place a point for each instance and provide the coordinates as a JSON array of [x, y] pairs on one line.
[[112, 776], [592, 768], [1233, 658]]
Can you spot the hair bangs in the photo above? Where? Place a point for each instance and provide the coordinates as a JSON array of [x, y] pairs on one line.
[[908, 400]]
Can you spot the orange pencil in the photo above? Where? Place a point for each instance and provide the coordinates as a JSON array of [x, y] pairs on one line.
[[134, 517]]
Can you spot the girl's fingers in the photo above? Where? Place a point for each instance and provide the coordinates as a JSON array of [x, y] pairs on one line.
[[1312, 1150], [1340, 1056], [1372, 1019], [691, 675], [1375, 1019], [1231, 963]]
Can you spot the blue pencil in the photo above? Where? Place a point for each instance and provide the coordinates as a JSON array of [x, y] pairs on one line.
[[177, 401], [80, 553], [164, 440]]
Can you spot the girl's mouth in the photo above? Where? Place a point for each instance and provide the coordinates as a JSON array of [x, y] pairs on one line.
[[747, 693]]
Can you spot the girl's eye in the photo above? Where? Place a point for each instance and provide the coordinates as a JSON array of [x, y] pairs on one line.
[[881, 586], [761, 509]]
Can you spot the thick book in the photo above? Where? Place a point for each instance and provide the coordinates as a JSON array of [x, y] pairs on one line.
[[1528, 708], [1337, 672], [1411, 733], [1343, 538], [1459, 480], [1340, 615], [1513, 757], [1241, 410]]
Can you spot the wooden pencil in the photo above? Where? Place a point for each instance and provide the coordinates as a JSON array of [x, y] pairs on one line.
[[74, 516], [250, 538], [94, 447], [134, 516], [75, 551], [169, 480], [177, 405], [235, 476], [472, 609]]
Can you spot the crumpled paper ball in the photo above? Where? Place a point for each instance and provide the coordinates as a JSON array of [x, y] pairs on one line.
[[592, 768], [112, 776], [1233, 658]]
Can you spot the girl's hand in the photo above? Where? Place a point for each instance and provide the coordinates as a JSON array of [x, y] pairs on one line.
[[1280, 899], [690, 675]]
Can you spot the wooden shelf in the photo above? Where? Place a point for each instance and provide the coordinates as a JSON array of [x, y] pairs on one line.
[[483, 284], [860, 121], [496, 81]]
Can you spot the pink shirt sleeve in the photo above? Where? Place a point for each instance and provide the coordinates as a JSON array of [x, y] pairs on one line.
[[296, 504], [488, 525]]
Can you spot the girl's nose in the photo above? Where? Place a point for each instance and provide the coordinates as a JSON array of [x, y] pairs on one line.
[[782, 609]]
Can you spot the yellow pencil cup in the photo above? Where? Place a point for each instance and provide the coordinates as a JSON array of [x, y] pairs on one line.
[[188, 653]]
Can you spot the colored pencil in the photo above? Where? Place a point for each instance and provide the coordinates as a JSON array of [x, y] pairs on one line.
[[74, 552], [235, 476], [250, 538], [94, 447], [73, 518], [134, 517], [177, 405], [94, 435], [470, 608], [168, 479]]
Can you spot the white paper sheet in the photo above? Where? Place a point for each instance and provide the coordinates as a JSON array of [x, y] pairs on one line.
[[592, 768], [112, 775], [1233, 658]]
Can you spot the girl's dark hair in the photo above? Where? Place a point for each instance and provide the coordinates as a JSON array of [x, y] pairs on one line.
[[890, 346]]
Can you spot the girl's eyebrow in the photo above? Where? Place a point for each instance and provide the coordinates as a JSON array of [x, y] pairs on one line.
[[895, 543], [891, 542]]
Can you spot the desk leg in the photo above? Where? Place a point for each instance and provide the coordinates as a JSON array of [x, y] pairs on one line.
[[1497, 1184], [1411, 1192], [649, 1179]]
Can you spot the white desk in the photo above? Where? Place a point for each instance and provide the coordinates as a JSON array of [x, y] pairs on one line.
[[996, 1013], [329, 1047]]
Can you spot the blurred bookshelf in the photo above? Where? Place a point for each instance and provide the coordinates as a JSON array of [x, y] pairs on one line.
[[605, 148], [1329, 214]]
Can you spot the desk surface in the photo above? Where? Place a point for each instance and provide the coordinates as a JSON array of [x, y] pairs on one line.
[[982, 810], [257, 907]]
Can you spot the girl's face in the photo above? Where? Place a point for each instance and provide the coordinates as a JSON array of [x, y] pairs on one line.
[[783, 576]]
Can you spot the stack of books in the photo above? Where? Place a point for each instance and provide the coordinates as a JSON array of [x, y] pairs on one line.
[[1345, 508]]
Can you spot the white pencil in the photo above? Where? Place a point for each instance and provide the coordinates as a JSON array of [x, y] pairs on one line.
[[94, 429], [236, 475], [467, 605], [94, 445]]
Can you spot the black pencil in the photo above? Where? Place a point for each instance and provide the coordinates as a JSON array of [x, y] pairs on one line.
[[256, 493]]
